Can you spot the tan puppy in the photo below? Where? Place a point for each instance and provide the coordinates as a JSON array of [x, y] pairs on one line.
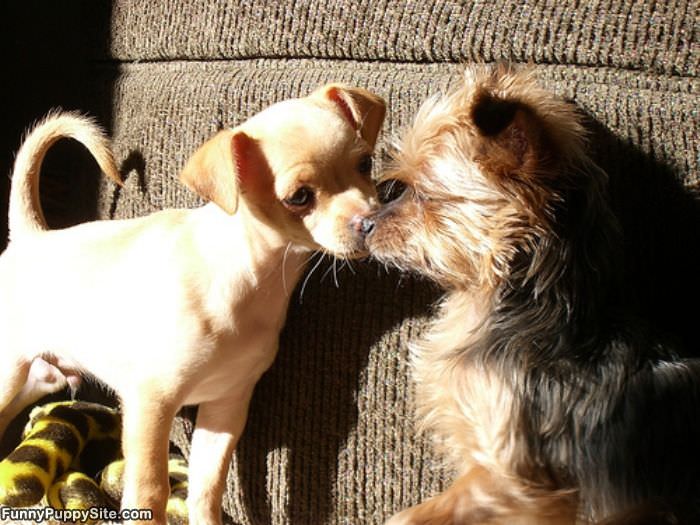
[[184, 306]]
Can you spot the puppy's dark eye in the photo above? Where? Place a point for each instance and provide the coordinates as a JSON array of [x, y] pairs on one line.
[[301, 198], [390, 190], [365, 165]]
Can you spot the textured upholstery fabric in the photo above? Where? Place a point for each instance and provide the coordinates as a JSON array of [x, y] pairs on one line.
[[633, 35], [331, 437]]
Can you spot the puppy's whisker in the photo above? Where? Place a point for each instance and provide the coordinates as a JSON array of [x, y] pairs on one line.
[[308, 259], [335, 274], [284, 269], [331, 270], [347, 264], [322, 255]]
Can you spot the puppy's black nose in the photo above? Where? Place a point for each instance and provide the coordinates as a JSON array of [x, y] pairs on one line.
[[366, 226], [362, 225]]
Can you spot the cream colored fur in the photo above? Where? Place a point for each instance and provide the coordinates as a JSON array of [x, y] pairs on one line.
[[183, 306]]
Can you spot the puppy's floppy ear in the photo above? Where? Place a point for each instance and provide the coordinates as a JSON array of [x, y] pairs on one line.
[[362, 109], [218, 168]]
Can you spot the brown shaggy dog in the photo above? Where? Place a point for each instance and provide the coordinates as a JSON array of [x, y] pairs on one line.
[[554, 406]]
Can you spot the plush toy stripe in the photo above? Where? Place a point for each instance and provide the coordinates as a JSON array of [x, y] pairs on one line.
[[177, 511], [111, 482], [90, 419], [177, 502], [58, 441], [68, 415], [76, 491], [177, 472], [28, 471], [24, 483], [53, 440]]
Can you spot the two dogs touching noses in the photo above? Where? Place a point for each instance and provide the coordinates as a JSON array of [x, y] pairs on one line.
[[200, 295], [539, 391]]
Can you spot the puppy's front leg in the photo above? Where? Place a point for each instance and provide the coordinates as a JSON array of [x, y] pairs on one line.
[[13, 374], [147, 420], [218, 429]]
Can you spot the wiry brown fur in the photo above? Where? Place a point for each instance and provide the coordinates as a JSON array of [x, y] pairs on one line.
[[536, 385]]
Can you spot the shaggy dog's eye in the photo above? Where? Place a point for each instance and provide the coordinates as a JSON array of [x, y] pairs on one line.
[[365, 165], [390, 190], [301, 198]]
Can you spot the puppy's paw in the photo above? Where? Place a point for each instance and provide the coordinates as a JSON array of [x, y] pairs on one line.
[[43, 379]]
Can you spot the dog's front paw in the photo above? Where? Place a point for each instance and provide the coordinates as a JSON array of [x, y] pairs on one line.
[[43, 379]]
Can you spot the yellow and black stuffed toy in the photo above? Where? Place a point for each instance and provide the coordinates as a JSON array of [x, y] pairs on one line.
[[70, 458]]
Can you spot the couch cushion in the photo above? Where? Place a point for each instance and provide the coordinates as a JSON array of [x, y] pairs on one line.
[[630, 34], [163, 111]]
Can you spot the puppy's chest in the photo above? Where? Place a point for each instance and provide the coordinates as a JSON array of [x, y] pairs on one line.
[[242, 343], [234, 365]]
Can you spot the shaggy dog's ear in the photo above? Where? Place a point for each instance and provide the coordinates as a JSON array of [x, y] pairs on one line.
[[492, 115], [512, 147], [510, 136]]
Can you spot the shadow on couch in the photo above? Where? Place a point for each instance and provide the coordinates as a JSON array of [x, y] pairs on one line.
[[660, 217], [324, 357]]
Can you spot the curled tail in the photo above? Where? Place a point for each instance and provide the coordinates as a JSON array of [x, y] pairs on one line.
[[26, 215]]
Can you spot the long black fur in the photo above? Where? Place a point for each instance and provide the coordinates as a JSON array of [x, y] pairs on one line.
[[603, 408]]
